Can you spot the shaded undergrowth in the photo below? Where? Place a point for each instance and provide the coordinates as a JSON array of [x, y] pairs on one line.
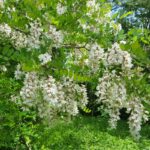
[[92, 133]]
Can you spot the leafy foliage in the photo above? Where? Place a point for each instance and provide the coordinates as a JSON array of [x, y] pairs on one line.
[[61, 57]]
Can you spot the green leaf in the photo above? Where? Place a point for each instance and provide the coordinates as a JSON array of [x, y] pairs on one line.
[[126, 14]]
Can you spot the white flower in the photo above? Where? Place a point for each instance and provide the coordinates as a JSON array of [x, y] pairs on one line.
[[5, 29], [123, 42], [127, 60], [112, 93], [18, 73], [1, 3], [119, 27], [116, 56], [3, 68], [56, 36], [93, 7], [91, 3], [61, 9], [21, 40], [45, 58], [137, 115], [96, 54], [108, 14], [33, 40], [29, 91]]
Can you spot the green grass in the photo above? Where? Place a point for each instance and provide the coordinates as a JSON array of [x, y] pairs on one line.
[[90, 133]]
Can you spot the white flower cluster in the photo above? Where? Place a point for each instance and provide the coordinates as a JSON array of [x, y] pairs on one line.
[[45, 58], [93, 54], [32, 96], [5, 29], [20, 39], [96, 55], [56, 36], [51, 97], [116, 56], [18, 73], [52, 92], [112, 94], [137, 115], [29, 91], [75, 96], [33, 39], [61, 9]]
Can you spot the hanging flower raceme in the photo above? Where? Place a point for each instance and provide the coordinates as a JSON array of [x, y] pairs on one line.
[[96, 55], [28, 92], [75, 96], [33, 39], [47, 94], [116, 56], [111, 92], [137, 115], [52, 93]]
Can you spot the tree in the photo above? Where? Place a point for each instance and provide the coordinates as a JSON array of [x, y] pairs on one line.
[[56, 48]]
